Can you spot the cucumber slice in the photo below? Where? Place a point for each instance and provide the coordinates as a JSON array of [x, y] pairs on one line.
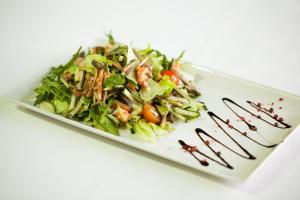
[[177, 115], [186, 112], [47, 107]]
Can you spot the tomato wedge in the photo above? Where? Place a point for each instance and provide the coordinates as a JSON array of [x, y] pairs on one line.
[[172, 76], [150, 114]]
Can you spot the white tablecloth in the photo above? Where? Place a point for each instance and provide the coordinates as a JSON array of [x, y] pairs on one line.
[[44, 159]]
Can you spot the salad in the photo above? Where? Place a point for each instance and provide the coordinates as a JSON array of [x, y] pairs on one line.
[[116, 86]]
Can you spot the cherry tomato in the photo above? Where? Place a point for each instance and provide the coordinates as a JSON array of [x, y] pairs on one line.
[[150, 114], [172, 76]]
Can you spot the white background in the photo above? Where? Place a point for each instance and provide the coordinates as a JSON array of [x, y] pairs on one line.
[[44, 159]]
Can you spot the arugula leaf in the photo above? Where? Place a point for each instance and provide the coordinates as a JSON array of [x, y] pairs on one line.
[[119, 54], [157, 57], [101, 119], [108, 125], [51, 89], [57, 71], [180, 55], [111, 39], [113, 81]]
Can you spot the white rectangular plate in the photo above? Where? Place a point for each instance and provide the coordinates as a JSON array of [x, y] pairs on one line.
[[214, 86]]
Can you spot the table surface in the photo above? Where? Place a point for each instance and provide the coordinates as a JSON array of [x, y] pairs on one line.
[[44, 159]]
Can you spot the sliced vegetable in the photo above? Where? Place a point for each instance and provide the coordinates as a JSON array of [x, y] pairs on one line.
[[61, 107], [47, 107], [186, 113]]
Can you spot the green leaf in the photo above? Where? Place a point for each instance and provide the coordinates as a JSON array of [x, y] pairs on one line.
[[51, 89], [88, 67], [180, 55], [101, 119], [111, 39], [147, 132], [113, 81], [57, 71], [167, 85], [164, 87], [108, 125], [119, 54], [156, 56], [163, 110]]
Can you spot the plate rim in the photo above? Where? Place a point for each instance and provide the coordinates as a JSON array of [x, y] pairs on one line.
[[135, 145]]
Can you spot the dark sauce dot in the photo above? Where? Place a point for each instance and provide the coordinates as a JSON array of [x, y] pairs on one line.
[[204, 162], [252, 128], [258, 104]]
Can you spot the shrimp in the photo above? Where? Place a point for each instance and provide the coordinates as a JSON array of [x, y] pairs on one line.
[[143, 73]]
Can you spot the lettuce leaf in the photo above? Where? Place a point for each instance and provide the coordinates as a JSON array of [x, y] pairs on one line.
[[88, 60], [147, 132], [163, 87]]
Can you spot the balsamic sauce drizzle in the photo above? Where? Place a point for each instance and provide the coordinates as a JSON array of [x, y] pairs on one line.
[[260, 109], [267, 112], [193, 149], [189, 148], [216, 117]]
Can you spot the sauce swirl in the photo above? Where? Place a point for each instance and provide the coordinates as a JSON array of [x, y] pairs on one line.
[[194, 151]]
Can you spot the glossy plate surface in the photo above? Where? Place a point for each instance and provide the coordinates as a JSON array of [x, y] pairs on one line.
[[246, 122]]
